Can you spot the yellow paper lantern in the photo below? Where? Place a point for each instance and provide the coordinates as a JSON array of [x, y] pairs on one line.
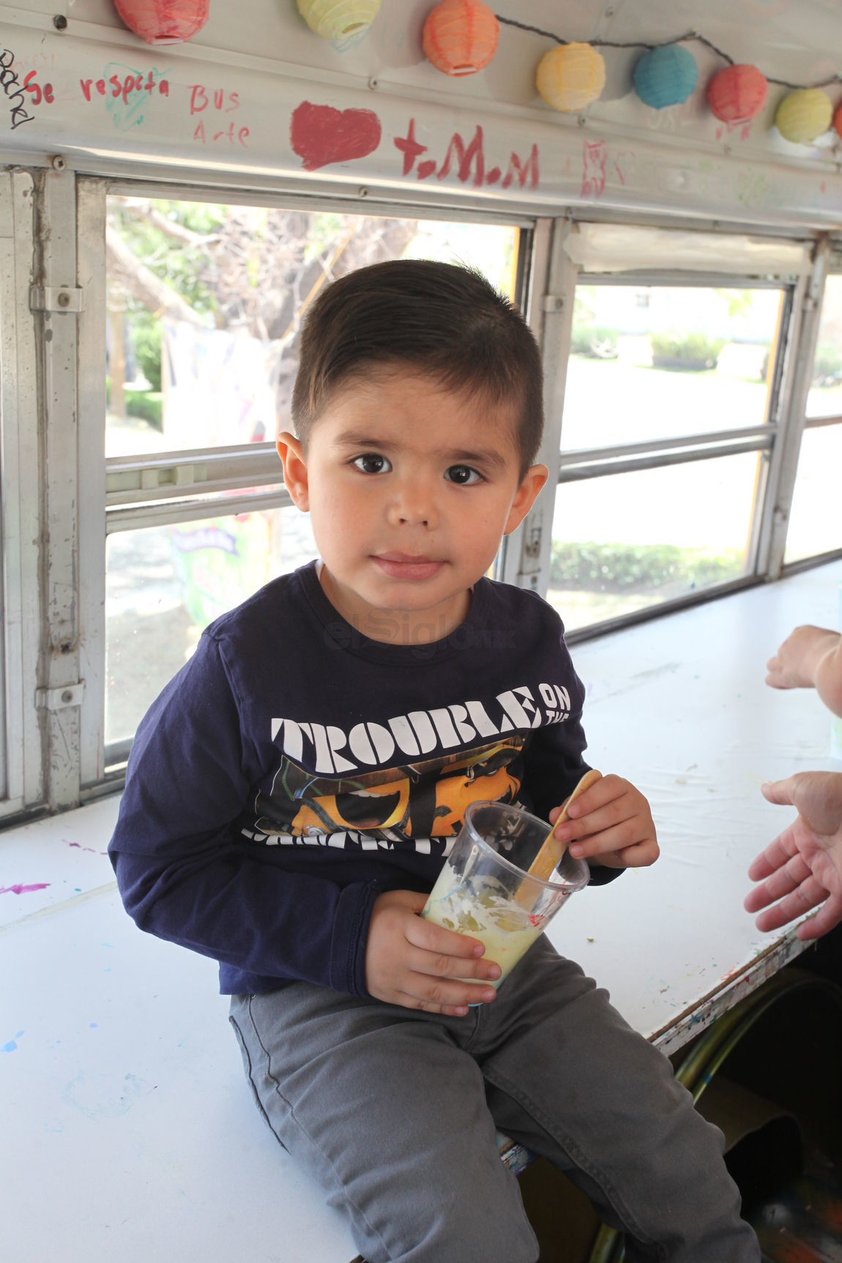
[[803, 115], [460, 36], [570, 77], [338, 19]]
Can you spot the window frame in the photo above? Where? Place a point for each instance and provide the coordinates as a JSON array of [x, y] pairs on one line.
[[21, 775], [832, 268]]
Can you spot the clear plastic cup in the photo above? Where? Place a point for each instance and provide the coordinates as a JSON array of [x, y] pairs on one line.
[[485, 890]]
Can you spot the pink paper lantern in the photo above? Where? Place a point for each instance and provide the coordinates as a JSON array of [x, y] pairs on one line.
[[737, 93], [460, 36], [163, 21]]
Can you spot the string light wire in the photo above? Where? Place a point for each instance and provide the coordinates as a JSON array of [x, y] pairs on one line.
[[679, 39]]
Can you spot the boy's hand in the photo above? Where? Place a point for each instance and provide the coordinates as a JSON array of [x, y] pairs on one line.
[[420, 965], [611, 824]]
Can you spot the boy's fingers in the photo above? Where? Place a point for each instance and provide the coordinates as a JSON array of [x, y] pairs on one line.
[[639, 855], [601, 821], [443, 965], [414, 900], [598, 834], [581, 800], [417, 989], [440, 995], [437, 938]]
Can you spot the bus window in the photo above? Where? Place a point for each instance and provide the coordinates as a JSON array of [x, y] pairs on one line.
[[667, 395], [204, 304]]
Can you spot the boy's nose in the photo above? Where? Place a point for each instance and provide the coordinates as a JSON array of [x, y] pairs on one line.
[[414, 505]]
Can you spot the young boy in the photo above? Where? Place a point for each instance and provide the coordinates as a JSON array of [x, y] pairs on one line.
[[293, 792]]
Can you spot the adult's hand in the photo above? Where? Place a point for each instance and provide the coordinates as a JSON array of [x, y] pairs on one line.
[[802, 868]]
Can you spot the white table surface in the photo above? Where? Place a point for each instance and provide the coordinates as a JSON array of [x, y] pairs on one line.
[[679, 706], [128, 1132]]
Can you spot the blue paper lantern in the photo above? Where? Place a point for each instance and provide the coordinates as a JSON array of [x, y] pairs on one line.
[[665, 76]]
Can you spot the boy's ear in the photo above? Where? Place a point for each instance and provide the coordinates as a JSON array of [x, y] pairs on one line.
[[295, 469], [525, 496]]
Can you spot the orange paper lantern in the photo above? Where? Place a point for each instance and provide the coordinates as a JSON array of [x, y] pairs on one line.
[[570, 77], [737, 93], [163, 21], [460, 36]]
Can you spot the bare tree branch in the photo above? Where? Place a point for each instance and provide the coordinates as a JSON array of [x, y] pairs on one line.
[[179, 232], [144, 286]]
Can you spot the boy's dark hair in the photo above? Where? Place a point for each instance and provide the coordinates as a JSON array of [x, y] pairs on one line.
[[440, 318]]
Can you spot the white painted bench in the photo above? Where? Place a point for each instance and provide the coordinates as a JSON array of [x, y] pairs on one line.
[[128, 1131]]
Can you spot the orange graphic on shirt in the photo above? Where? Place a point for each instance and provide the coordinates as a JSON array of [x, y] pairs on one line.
[[417, 800]]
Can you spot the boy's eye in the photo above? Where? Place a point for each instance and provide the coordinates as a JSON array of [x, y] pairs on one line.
[[463, 475], [372, 463]]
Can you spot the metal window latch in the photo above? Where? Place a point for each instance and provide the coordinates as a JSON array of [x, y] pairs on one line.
[[55, 298], [60, 698]]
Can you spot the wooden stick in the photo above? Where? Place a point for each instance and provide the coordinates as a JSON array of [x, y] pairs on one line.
[[552, 849]]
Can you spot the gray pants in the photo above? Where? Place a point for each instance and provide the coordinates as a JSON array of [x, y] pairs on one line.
[[395, 1114]]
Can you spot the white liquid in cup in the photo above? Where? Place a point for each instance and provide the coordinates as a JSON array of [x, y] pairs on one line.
[[485, 889]]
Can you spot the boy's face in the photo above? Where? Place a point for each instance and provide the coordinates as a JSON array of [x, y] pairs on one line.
[[410, 487]]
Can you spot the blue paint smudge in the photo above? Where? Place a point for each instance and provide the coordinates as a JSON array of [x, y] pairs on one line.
[[12, 1044]]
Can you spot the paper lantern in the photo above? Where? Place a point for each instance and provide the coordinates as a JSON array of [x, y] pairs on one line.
[[737, 93], [837, 120], [460, 36], [570, 77], [803, 115], [665, 76], [163, 21], [338, 19]]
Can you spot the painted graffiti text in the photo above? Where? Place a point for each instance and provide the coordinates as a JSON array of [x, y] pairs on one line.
[[13, 89], [124, 87], [467, 161]]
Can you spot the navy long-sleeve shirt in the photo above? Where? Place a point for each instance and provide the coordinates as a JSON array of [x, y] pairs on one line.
[[293, 770]]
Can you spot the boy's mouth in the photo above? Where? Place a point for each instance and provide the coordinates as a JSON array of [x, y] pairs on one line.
[[402, 566]]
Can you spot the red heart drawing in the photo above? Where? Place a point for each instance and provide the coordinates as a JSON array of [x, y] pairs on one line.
[[320, 134]]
